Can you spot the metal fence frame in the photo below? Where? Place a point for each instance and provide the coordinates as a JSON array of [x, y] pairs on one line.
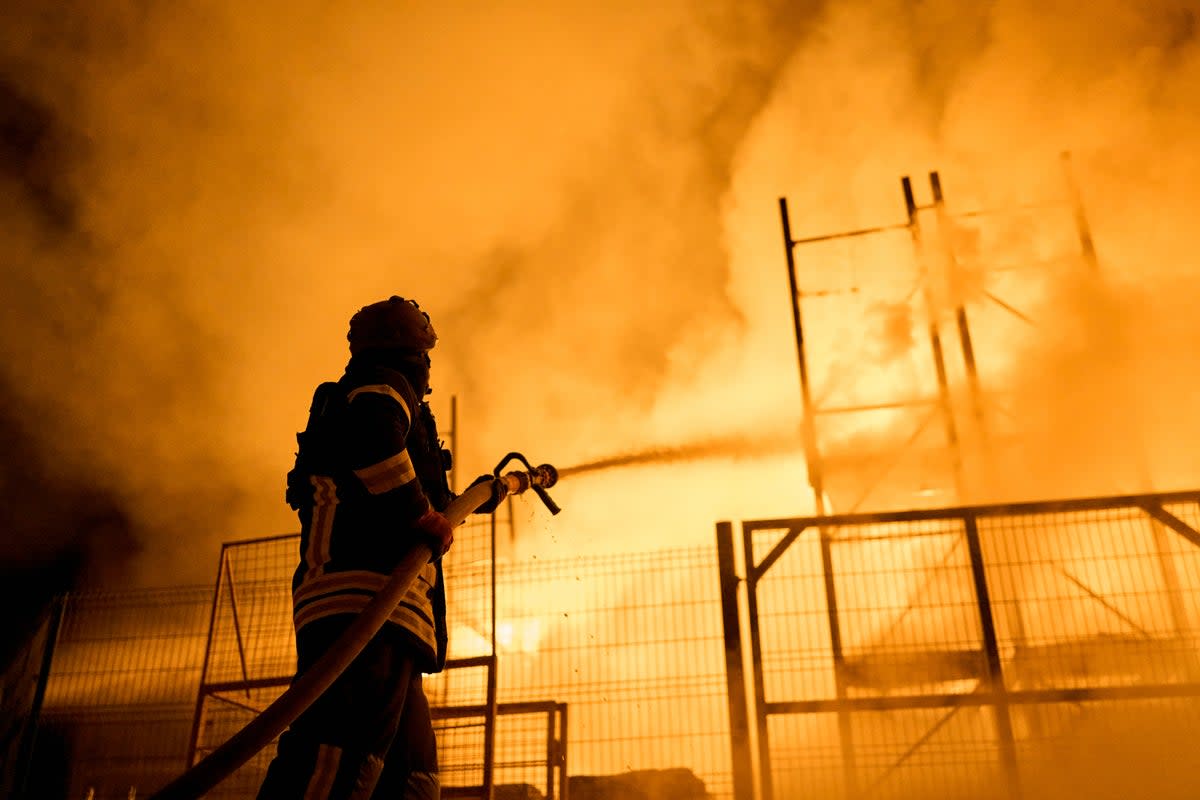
[[210, 692], [22, 692], [750, 709]]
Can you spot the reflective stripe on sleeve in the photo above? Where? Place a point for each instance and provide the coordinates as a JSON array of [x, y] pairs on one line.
[[391, 473]]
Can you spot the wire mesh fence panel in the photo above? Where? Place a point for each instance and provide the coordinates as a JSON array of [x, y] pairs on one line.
[[910, 753], [935, 752], [121, 692], [252, 637], [793, 621], [223, 714], [938, 654], [1090, 598], [129, 648], [633, 645], [953, 652], [22, 685], [110, 754], [527, 756]]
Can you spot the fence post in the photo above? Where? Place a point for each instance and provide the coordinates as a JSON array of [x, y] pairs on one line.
[[25, 755], [991, 650], [735, 673]]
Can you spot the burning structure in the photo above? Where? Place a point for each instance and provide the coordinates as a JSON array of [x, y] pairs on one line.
[[1001, 649]]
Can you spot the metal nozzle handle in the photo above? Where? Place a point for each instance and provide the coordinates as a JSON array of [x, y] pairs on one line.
[[538, 478]]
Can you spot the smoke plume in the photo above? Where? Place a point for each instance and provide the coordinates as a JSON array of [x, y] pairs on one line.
[[198, 195]]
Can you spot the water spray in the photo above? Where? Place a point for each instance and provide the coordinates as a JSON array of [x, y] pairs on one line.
[[304, 691], [716, 447]]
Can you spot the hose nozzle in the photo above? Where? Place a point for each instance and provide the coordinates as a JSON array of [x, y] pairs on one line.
[[537, 478], [544, 475]]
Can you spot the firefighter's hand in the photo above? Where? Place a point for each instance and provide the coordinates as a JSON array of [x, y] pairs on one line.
[[438, 532], [498, 493]]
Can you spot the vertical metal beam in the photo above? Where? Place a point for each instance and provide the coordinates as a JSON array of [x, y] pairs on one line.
[[735, 675], [489, 733], [845, 723], [198, 715], [960, 312], [563, 783], [753, 573], [808, 430], [552, 747], [935, 340], [28, 744], [237, 623], [1086, 244], [991, 649]]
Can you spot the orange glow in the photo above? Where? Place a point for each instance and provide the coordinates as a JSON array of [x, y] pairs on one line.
[[607, 275], [585, 200]]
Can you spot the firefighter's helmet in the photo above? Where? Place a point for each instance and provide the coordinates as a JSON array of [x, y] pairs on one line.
[[393, 324]]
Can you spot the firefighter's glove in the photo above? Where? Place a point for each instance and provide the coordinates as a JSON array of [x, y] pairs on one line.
[[438, 532], [488, 506]]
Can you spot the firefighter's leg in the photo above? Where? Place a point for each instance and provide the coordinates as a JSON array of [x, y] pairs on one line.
[[411, 770], [335, 750]]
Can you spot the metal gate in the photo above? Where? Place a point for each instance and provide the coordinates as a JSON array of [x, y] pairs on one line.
[[968, 650]]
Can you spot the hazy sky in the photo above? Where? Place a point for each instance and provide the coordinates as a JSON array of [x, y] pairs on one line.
[[197, 196]]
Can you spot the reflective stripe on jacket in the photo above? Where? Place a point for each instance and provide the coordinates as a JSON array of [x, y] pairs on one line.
[[374, 464]]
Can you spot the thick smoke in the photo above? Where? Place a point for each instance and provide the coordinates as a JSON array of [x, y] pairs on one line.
[[1091, 381], [200, 195], [197, 196]]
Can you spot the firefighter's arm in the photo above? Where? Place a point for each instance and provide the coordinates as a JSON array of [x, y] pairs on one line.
[[379, 429]]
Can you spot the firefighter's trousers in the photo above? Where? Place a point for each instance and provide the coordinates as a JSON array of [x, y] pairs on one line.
[[369, 735]]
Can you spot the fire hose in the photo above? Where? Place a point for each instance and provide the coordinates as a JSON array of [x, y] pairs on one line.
[[304, 691]]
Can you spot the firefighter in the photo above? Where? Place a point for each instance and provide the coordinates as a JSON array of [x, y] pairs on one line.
[[368, 483]]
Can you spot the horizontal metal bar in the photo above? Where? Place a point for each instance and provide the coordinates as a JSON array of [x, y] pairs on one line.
[[1022, 697], [773, 525], [251, 683], [919, 401], [480, 710], [474, 661], [906, 535], [1131, 502], [988, 212], [236, 703], [849, 234], [279, 537]]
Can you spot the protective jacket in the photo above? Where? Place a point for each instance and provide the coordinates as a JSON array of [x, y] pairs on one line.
[[369, 464]]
